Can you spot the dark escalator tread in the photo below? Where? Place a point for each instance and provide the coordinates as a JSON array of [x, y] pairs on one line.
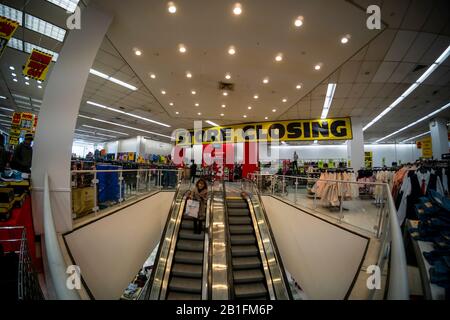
[[190, 245], [250, 290], [187, 224], [188, 257], [246, 276], [244, 251], [241, 263], [190, 235], [187, 270], [238, 212], [243, 239], [239, 220], [183, 296], [246, 229], [185, 285], [236, 204]]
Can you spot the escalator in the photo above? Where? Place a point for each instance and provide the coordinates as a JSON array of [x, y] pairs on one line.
[[249, 281]]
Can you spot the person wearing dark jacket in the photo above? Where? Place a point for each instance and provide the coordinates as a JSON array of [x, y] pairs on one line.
[[23, 155], [193, 171], [3, 154]]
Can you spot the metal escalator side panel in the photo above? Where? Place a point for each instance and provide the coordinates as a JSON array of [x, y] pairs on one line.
[[273, 265], [205, 270]]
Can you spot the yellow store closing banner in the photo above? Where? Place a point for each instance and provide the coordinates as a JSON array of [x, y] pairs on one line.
[[37, 65], [7, 29], [291, 130]]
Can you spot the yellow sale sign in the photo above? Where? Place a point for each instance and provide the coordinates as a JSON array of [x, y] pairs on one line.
[[37, 65]]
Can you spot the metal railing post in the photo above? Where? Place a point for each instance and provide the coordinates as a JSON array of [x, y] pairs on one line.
[[138, 180], [121, 193], [296, 190], [283, 185], [95, 182]]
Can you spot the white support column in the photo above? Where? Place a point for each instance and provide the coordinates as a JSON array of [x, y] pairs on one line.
[[58, 117], [439, 137], [355, 147]]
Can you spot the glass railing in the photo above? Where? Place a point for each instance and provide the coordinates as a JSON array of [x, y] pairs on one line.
[[365, 206], [96, 190]]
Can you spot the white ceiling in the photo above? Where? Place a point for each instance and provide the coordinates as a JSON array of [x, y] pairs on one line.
[[371, 71]]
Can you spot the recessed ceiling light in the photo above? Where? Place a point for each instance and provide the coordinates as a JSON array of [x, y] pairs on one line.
[[222, 115], [15, 80], [27, 83], [112, 79], [232, 50], [212, 123], [245, 116], [163, 92], [266, 118], [13, 74], [279, 57], [298, 22], [152, 75], [39, 82], [237, 10], [197, 104], [194, 92], [40, 87], [256, 97], [228, 76], [3, 97], [266, 80], [225, 93], [188, 74], [177, 112], [284, 100], [171, 7], [12, 68], [274, 110], [224, 106], [26, 78], [298, 87], [318, 66], [182, 48], [199, 113], [137, 52], [345, 39], [249, 107], [171, 104]]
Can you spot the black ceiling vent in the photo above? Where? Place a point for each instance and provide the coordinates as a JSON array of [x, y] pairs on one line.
[[419, 67], [226, 86]]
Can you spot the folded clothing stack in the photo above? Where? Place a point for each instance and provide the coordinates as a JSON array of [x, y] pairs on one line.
[[434, 226]]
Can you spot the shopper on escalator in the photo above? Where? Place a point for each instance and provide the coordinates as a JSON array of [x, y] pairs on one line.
[[23, 154], [3, 154], [200, 194], [193, 171]]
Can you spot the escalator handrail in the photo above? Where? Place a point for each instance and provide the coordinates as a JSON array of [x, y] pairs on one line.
[[273, 241], [228, 245], [206, 278], [163, 236]]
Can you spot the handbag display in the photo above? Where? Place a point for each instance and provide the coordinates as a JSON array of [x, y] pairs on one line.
[[192, 208]]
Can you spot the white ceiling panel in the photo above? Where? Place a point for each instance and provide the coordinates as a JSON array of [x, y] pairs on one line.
[[402, 42], [385, 71]]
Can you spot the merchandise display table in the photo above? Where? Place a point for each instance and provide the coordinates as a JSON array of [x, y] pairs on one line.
[[431, 291], [21, 217]]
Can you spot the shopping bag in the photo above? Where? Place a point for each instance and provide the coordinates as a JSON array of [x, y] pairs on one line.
[[192, 208]]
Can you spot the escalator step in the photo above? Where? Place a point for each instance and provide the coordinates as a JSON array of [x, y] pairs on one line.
[[190, 245], [238, 212], [239, 220], [183, 296], [187, 270], [243, 239], [244, 251], [247, 229], [185, 285], [246, 276], [236, 204], [188, 257], [187, 224], [242, 263], [250, 290], [190, 235]]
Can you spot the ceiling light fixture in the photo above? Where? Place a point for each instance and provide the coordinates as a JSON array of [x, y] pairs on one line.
[[328, 100], [224, 106], [171, 104], [112, 79], [298, 22], [15, 80], [284, 100], [12, 68], [152, 75], [177, 112], [415, 137], [345, 39], [274, 110], [222, 115], [182, 48], [193, 92], [137, 52], [188, 75], [126, 113], [40, 87], [298, 87], [256, 97], [171, 7], [123, 126], [27, 83], [408, 91], [249, 107], [279, 57], [231, 51], [266, 80], [197, 104], [212, 123], [3, 97], [7, 109], [106, 130], [105, 135], [39, 82], [415, 122], [228, 76], [225, 93], [199, 113], [13, 74], [318, 66], [163, 92], [26, 78], [237, 10], [266, 118]]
